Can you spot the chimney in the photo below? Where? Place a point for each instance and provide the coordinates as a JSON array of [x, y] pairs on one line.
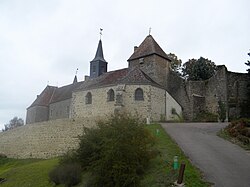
[[86, 77], [135, 47]]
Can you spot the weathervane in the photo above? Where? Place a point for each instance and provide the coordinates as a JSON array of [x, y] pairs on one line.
[[101, 33], [76, 71], [149, 30]]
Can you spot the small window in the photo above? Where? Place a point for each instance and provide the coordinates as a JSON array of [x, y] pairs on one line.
[[111, 95], [88, 98], [51, 112], [139, 94]]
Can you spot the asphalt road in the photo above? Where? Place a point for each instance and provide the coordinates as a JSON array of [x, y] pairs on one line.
[[222, 163]]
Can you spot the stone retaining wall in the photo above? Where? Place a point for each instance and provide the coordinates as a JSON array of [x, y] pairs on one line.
[[44, 139]]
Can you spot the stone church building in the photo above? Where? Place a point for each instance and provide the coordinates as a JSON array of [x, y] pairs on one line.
[[147, 88]]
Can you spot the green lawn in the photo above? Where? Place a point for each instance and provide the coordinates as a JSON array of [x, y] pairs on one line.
[[34, 172], [28, 172]]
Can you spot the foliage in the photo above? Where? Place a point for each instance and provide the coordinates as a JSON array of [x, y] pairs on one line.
[[201, 69], [67, 174], [206, 117], [13, 123], [117, 152], [238, 132], [248, 63], [175, 62], [222, 111], [240, 129], [245, 109]]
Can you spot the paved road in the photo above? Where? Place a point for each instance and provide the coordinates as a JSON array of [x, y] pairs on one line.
[[223, 163]]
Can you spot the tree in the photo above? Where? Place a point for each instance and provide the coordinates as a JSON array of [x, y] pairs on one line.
[[175, 62], [200, 69], [245, 109], [117, 152], [13, 123], [248, 63]]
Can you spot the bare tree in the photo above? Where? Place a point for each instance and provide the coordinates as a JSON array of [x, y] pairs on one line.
[[13, 123]]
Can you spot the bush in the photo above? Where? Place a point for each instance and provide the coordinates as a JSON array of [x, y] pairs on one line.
[[117, 152], [2, 155], [67, 174], [240, 130], [206, 117]]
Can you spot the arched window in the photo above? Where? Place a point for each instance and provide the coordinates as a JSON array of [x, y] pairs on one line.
[[88, 98], [139, 94], [111, 95]]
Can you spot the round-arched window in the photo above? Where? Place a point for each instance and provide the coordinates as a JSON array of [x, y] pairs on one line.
[[88, 98], [139, 94], [111, 95]]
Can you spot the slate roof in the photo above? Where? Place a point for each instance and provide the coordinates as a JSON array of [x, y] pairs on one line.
[[64, 92], [121, 76], [44, 98], [99, 53], [148, 47]]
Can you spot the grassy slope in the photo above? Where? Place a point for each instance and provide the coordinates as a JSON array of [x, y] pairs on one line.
[[31, 172], [28, 172]]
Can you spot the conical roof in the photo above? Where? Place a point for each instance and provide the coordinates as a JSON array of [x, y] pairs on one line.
[[148, 47], [99, 53], [75, 79]]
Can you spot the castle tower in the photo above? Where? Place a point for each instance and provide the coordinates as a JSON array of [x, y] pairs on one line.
[[151, 59], [98, 65]]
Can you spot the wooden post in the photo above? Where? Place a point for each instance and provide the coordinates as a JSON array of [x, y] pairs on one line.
[[181, 173]]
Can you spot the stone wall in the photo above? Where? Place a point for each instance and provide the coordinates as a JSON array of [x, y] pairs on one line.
[[60, 109], [43, 140], [154, 66], [177, 88], [37, 114], [153, 105], [100, 106], [237, 93]]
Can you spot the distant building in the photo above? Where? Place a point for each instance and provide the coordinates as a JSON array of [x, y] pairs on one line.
[[147, 88]]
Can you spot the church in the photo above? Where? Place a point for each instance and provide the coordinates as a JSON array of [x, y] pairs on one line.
[[148, 88]]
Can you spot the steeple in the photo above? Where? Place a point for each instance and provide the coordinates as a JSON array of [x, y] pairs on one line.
[[99, 52], [98, 65], [75, 79]]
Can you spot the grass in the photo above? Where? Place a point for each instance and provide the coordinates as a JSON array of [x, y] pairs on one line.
[[34, 172], [225, 135], [28, 172]]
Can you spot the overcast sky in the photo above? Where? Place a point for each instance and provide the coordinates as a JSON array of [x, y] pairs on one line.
[[44, 42]]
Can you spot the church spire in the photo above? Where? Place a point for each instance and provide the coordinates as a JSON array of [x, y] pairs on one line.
[[98, 65], [75, 79], [99, 52]]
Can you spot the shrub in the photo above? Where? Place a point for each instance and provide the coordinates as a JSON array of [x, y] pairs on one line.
[[117, 152], [2, 155], [67, 174], [206, 117], [69, 158], [240, 130]]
